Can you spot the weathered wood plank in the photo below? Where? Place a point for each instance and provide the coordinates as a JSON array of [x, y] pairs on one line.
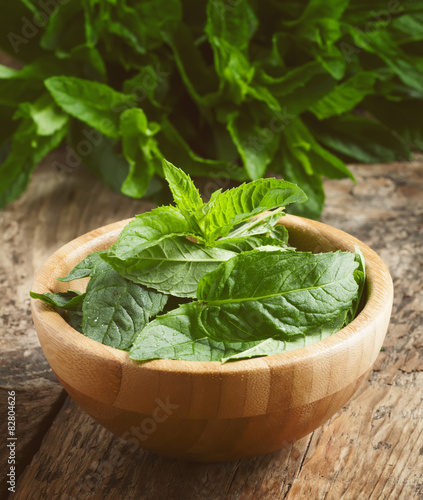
[[54, 210], [91, 463]]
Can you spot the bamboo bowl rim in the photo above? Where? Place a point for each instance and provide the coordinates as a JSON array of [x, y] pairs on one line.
[[379, 293]]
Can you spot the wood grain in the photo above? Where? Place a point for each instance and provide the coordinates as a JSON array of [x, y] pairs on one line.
[[372, 449], [54, 209]]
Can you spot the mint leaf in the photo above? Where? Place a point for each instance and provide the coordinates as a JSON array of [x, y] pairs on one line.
[[308, 302], [70, 300], [255, 143], [198, 77], [28, 148], [310, 290], [94, 103], [115, 309], [360, 278], [280, 233], [84, 268], [314, 157], [148, 229], [174, 145], [271, 346], [345, 96], [217, 217], [185, 194], [173, 265], [248, 243], [360, 139], [105, 160], [26, 84], [224, 84], [179, 335], [392, 54], [75, 320], [45, 114], [297, 169], [140, 150], [276, 237], [260, 224], [235, 25]]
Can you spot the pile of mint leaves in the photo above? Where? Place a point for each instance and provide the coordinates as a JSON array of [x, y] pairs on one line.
[[213, 281], [225, 88]]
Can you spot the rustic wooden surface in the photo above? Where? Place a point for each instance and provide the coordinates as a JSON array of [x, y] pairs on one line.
[[372, 449]]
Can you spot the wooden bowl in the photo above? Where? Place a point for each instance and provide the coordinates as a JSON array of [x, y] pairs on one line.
[[210, 411]]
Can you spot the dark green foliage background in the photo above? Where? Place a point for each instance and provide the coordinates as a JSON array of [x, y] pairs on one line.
[[224, 88]]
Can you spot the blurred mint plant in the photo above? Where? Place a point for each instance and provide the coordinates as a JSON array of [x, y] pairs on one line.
[[224, 88]]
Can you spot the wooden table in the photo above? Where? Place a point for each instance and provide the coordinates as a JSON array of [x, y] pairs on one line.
[[372, 449]]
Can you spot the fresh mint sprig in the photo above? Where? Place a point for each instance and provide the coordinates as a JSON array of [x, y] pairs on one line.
[[249, 293]]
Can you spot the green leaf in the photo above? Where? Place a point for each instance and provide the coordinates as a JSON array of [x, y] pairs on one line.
[[254, 139], [311, 290], [235, 23], [314, 157], [233, 206], [279, 232], [65, 29], [360, 139], [198, 78], [101, 154], [272, 346], [27, 150], [175, 147], [84, 268], [173, 265], [94, 103], [383, 46], [178, 335], [25, 84], [75, 320], [148, 229], [115, 309], [185, 194], [247, 243], [258, 225], [293, 168], [292, 79], [360, 278], [140, 150], [344, 97], [151, 82], [70, 300], [46, 115], [410, 25]]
